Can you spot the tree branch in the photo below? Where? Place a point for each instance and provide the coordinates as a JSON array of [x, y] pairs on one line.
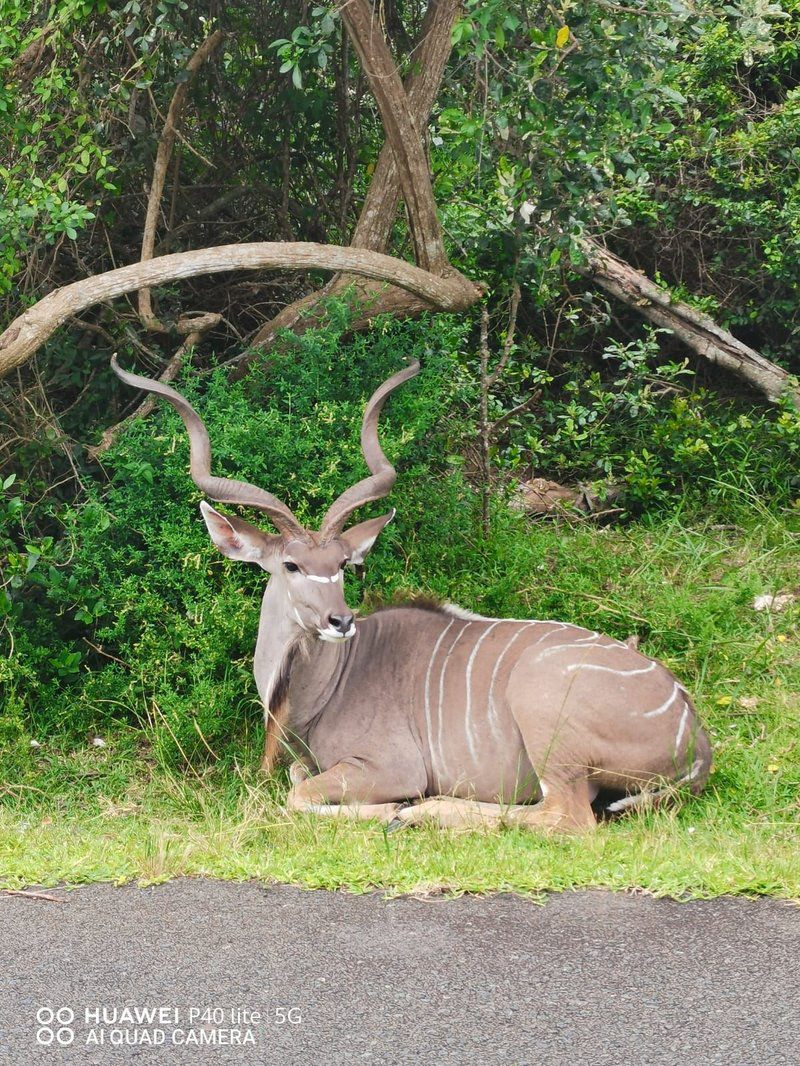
[[163, 155], [379, 209], [697, 330], [429, 59], [508, 344], [32, 328], [26, 64], [402, 133]]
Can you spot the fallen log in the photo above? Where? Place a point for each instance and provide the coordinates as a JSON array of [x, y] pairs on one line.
[[697, 330]]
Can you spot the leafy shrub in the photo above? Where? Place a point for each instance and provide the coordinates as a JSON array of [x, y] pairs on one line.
[[640, 424], [119, 614], [138, 618], [721, 213]]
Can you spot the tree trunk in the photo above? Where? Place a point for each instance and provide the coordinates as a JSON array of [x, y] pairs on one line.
[[379, 209], [402, 133], [431, 285]]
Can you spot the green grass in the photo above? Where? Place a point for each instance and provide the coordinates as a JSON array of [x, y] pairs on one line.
[[83, 814], [704, 850]]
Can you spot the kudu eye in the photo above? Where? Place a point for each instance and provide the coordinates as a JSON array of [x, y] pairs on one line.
[[293, 568]]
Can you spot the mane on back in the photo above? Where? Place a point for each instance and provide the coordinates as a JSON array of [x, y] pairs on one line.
[[406, 602], [423, 603]]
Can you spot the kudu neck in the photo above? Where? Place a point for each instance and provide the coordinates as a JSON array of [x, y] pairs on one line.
[[314, 666]]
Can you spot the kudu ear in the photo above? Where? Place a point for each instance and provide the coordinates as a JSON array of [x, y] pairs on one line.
[[358, 540], [238, 539]]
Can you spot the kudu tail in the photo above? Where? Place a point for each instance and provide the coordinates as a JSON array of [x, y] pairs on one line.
[[650, 799]]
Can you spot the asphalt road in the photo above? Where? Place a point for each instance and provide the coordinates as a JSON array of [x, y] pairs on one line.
[[313, 977]]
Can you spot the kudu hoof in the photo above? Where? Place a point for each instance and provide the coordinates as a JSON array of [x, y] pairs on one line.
[[399, 822]]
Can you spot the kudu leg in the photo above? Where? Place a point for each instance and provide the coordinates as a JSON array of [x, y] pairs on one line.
[[452, 813], [274, 738], [341, 792], [299, 772], [565, 808]]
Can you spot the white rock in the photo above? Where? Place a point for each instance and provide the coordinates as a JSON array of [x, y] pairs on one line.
[[777, 602]]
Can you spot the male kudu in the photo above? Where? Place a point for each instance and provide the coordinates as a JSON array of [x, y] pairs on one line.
[[416, 712]]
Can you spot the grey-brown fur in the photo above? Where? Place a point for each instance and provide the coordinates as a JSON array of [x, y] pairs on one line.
[[468, 719], [487, 710]]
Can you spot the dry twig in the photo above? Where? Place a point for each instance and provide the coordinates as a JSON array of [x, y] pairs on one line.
[[30, 894]]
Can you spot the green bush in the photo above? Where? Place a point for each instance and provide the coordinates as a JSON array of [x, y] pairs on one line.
[[642, 425], [137, 617], [720, 215], [121, 617]]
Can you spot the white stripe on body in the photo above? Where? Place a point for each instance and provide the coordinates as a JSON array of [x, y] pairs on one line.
[[584, 643], [553, 629], [468, 715], [611, 669], [428, 726], [681, 727], [470, 616], [441, 694], [662, 706], [493, 722]]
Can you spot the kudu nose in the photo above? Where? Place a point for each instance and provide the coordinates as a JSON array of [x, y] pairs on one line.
[[342, 622]]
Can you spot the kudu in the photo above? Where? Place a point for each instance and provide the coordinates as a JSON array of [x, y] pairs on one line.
[[416, 712]]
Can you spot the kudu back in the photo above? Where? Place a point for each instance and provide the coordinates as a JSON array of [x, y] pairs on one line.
[[417, 712]]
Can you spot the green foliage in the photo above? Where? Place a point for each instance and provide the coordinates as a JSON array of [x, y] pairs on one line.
[[639, 424], [670, 129], [133, 615], [118, 612], [725, 187], [55, 163], [307, 45], [84, 90], [566, 103]]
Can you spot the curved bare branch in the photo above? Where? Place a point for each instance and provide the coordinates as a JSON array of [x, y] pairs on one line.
[[31, 329]]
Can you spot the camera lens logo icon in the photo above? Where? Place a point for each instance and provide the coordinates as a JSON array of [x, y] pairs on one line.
[[55, 1026]]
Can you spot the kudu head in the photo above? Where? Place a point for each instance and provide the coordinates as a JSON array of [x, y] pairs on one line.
[[307, 566]]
